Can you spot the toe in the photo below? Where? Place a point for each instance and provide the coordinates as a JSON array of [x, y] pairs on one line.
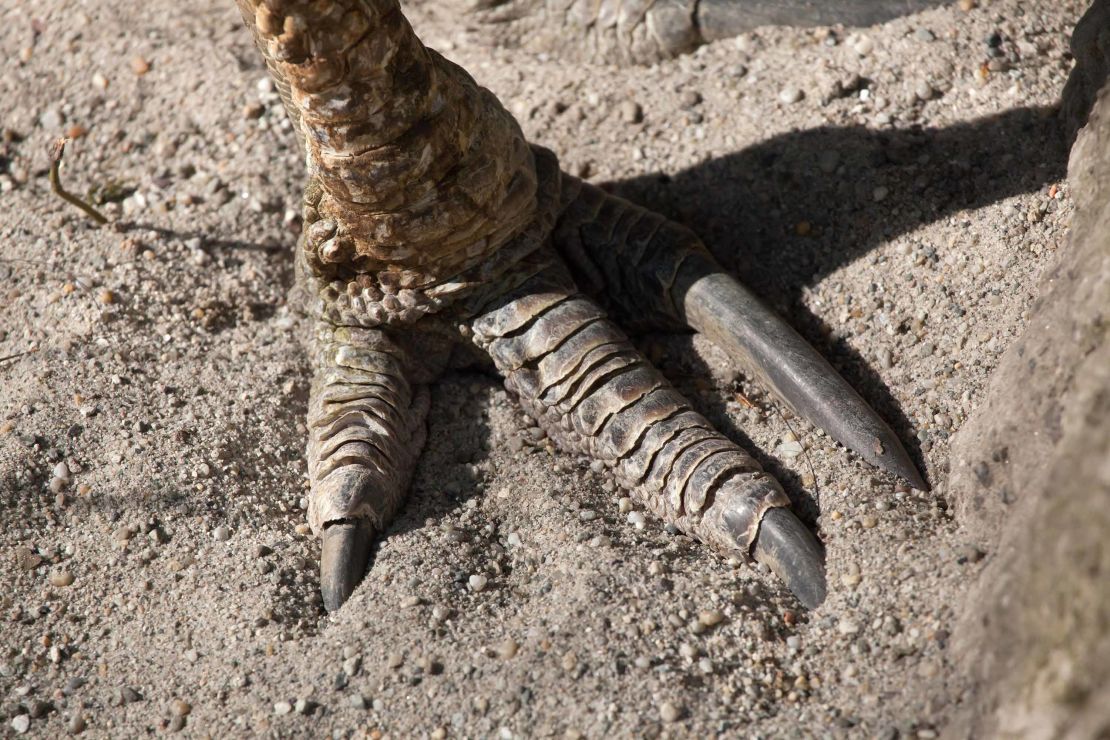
[[345, 554], [788, 548]]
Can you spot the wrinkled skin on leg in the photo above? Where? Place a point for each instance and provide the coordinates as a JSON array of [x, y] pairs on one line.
[[431, 224]]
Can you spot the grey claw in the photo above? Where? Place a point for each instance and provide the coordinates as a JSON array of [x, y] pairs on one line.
[[788, 548], [343, 559], [733, 317]]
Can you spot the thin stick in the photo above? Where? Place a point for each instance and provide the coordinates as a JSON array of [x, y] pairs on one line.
[[56, 185], [16, 355]]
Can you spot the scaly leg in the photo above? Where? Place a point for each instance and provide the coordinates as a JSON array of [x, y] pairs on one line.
[[653, 273], [576, 372], [366, 423]]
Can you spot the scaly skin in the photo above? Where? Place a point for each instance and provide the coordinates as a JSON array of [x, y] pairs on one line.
[[430, 224], [647, 31]]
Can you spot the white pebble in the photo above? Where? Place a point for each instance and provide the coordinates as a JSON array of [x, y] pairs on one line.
[[221, 534], [283, 707], [790, 95], [864, 46], [477, 582], [847, 627], [637, 519]]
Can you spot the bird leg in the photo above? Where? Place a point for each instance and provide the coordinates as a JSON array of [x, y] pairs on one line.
[[594, 393]]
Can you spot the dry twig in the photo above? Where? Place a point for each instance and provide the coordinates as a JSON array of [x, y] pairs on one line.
[[56, 184]]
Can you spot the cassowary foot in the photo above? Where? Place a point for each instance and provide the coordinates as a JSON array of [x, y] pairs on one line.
[[431, 224]]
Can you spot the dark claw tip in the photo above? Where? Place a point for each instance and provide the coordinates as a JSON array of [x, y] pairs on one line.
[[343, 559], [788, 548]]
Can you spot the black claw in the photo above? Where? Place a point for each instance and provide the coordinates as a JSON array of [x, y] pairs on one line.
[[788, 548], [752, 334], [343, 559]]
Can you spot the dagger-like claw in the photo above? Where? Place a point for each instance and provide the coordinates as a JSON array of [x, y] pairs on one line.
[[718, 306], [788, 548], [343, 559]]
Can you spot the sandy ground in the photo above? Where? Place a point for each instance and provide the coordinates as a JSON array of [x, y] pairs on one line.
[[896, 192]]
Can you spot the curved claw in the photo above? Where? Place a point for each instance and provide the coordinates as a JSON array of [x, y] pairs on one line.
[[343, 559], [718, 306], [788, 548]]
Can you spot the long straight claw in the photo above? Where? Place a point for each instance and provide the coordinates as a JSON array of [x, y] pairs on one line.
[[786, 546], [344, 555], [718, 306]]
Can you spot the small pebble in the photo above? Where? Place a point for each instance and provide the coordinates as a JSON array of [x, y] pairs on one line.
[[140, 66], [847, 627], [477, 582], [880, 193], [790, 95], [670, 712], [221, 534], [61, 578], [21, 723], [637, 519], [282, 708], [851, 576], [710, 617], [181, 707], [508, 649], [631, 112], [690, 98], [76, 725]]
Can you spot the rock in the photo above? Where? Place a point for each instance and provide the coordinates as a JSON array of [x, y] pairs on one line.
[[477, 582], [21, 723], [76, 725], [51, 119], [508, 649], [790, 95], [27, 558], [221, 534], [670, 712], [61, 578], [710, 617], [631, 112], [180, 707], [847, 626], [282, 708]]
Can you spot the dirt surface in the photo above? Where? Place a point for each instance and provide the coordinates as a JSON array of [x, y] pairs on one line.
[[896, 192]]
